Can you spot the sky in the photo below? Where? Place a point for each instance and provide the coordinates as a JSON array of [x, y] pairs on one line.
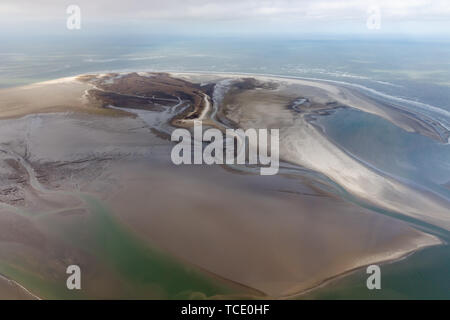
[[413, 17]]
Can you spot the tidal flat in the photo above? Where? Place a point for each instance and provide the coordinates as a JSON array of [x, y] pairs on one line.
[[87, 179]]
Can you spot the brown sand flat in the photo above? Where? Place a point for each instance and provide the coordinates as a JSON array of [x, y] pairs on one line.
[[9, 290], [275, 233], [63, 95], [241, 229]]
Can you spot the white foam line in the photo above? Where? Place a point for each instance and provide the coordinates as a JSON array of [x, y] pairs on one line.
[[384, 95]]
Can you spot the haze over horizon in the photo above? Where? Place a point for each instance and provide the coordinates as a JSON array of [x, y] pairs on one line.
[[417, 18]]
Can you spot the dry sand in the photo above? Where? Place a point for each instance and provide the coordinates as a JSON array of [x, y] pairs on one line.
[[61, 95]]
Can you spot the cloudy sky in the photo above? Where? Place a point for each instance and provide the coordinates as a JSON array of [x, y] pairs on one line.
[[234, 16]]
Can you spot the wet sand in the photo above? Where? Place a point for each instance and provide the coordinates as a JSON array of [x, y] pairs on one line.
[[325, 91], [304, 144], [288, 241], [274, 236], [10, 290]]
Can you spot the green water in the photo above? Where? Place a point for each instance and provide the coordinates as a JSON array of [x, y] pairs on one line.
[[42, 287], [424, 275], [415, 160], [141, 265], [140, 270], [145, 272]]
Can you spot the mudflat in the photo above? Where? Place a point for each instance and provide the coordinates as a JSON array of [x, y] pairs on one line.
[[86, 178]]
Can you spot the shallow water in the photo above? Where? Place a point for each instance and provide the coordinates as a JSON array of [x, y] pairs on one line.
[[129, 262], [424, 275], [411, 157]]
